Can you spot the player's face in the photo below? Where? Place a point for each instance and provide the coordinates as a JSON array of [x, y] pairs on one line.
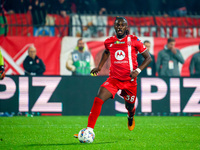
[[120, 27], [147, 45], [32, 52], [171, 45]]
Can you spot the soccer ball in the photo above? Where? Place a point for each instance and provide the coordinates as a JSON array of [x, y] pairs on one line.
[[86, 136]]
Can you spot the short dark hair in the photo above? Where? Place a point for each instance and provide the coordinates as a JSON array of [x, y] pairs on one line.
[[170, 40], [120, 17], [79, 40], [146, 41]]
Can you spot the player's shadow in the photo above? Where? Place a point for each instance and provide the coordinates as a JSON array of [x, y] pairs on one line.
[[31, 145]]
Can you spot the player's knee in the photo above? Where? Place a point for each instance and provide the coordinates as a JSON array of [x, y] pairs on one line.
[[101, 97]]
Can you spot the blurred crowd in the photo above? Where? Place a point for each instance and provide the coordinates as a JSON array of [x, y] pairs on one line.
[[40, 8], [158, 7]]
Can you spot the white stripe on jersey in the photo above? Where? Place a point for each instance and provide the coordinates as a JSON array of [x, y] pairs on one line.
[[129, 54]]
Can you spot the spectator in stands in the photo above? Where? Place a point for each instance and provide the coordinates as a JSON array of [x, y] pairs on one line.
[[175, 8], [168, 59], [195, 65], [193, 6], [151, 69], [111, 6], [38, 9], [16, 6], [102, 11], [87, 6], [61, 7], [33, 65], [80, 62]]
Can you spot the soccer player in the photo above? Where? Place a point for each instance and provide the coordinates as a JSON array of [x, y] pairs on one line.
[[123, 49], [2, 72]]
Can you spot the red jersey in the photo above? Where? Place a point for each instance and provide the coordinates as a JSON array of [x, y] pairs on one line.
[[123, 54]]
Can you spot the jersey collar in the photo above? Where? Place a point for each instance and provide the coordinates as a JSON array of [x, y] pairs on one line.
[[120, 39]]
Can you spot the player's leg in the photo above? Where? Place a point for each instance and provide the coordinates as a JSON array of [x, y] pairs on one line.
[[106, 91], [130, 98], [131, 112], [102, 96], [131, 108]]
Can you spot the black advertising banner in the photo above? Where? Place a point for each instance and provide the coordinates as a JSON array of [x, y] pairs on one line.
[[67, 95], [70, 95]]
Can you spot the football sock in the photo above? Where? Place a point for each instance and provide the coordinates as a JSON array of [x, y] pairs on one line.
[[95, 112], [89, 128], [131, 113]]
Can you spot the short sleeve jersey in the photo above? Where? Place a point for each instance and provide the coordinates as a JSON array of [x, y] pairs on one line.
[[123, 54]]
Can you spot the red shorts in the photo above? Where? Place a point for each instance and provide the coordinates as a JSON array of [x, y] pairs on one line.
[[129, 89]]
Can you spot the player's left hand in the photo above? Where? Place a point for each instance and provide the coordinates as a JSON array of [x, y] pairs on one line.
[[134, 74]]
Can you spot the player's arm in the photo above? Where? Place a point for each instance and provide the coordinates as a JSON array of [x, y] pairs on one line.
[[2, 72], [1, 59], [147, 60], [104, 58], [145, 63]]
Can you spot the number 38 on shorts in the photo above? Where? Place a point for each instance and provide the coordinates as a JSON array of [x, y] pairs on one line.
[[129, 98]]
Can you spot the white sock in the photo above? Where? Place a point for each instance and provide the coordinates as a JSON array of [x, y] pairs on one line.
[[90, 128]]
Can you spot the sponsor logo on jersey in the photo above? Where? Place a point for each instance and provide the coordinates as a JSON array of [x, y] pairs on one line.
[[118, 42], [119, 55], [121, 62]]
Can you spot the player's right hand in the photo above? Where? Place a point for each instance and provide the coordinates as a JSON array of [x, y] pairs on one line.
[[95, 71], [2, 72]]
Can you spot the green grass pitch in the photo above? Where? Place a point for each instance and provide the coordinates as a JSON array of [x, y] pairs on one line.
[[111, 133]]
